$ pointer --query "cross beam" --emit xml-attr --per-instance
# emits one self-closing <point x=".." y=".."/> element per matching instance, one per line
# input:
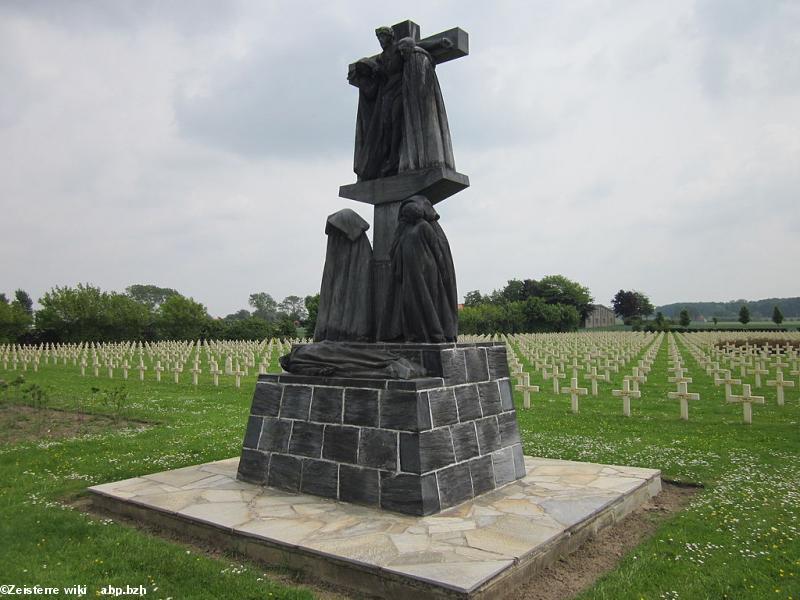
<point x="457" y="36"/>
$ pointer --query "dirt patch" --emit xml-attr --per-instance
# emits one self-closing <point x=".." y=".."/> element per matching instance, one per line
<point x="576" y="572"/>
<point x="563" y="580"/>
<point x="21" y="423"/>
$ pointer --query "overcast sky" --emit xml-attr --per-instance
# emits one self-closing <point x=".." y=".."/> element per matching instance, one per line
<point x="200" y="145"/>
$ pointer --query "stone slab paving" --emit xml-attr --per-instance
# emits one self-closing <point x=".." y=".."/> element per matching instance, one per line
<point x="481" y="548"/>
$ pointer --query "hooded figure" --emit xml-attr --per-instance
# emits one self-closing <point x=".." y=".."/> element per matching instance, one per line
<point x="422" y="302"/>
<point x="345" y="297"/>
<point x="426" y="132"/>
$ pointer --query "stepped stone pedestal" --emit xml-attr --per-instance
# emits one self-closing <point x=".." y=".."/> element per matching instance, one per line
<point x="411" y="446"/>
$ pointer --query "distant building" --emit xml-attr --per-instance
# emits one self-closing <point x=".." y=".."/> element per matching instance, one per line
<point x="601" y="316"/>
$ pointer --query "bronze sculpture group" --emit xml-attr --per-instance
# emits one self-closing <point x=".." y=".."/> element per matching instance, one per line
<point x="408" y="294"/>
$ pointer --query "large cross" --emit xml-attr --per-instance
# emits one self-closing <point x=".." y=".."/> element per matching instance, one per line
<point x="387" y="193"/>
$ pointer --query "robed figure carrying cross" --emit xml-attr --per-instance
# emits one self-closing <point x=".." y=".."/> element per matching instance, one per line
<point x="403" y="146"/>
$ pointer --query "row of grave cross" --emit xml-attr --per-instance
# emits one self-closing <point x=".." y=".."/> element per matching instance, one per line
<point x="157" y="357"/>
<point x="630" y="383"/>
<point x="547" y="355"/>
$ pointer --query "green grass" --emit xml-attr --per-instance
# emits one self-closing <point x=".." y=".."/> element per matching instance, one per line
<point x="739" y="538"/>
<point x="46" y="542"/>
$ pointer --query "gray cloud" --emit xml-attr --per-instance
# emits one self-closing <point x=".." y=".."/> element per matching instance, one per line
<point x="200" y="146"/>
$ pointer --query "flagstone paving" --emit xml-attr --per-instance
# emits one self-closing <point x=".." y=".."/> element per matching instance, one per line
<point x="463" y="552"/>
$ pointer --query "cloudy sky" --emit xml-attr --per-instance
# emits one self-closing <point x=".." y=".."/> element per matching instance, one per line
<point x="199" y="145"/>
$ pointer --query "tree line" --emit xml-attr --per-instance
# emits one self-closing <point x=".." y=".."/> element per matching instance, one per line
<point x="553" y="303"/>
<point x="760" y="310"/>
<point x="634" y="308"/>
<point x="143" y="312"/>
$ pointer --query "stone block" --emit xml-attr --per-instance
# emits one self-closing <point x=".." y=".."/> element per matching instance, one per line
<point x="506" y="396"/>
<point x="407" y="411"/>
<point x="509" y="429"/>
<point x="465" y="441"/>
<point x="477" y="365"/>
<point x="267" y="399"/>
<point x="378" y="449"/>
<point x="326" y="404"/>
<point x="306" y="439"/>
<point x="498" y="362"/>
<point x="503" y="464"/>
<point x="410" y="494"/>
<point x="296" y="402"/>
<point x="340" y="443"/>
<point x="320" y="478"/>
<point x="455" y="485"/>
<point x="253" y="432"/>
<point x="432" y="361"/>
<point x="469" y="404"/>
<point x="490" y="398"/>
<point x="482" y="474"/>
<point x="275" y="435"/>
<point x="361" y="486"/>
<point x="409" y="452"/>
<point x="435" y="449"/>
<point x="519" y="461"/>
<point x="253" y="466"/>
<point x="361" y="407"/>
<point x="284" y="472"/>
<point x="488" y="435"/>
<point x="454" y="368"/>
<point x="443" y="406"/>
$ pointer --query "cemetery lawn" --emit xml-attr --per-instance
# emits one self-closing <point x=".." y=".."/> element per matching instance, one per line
<point x="739" y="537"/>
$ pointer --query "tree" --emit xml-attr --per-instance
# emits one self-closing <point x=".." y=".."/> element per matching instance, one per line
<point x="264" y="306"/>
<point x="630" y="305"/>
<point x="683" y="318"/>
<point x="15" y="322"/>
<point x="557" y="289"/>
<point x="777" y="315"/>
<point x="180" y="318"/>
<point x="514" y="291"/>
<point x="151" y="296"/>
<point x="239" y="315"/>
<point x="86" y="313"/>
<point x="251" y="328"/>
<point x="312" y="306"/>
<point x="293" y="307"/>
<point x="22" y="298"/>
<point x="473" y="298"/>
<point x="744" y="315"/>
<point x="716" y="320"/>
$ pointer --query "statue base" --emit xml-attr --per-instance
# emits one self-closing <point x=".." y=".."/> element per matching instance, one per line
<point x="414" y="446"/>
<point x="435" y="183"/>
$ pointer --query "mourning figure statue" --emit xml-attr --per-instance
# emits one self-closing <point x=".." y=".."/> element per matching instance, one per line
<point x="423" y="302"/>
<point x="345" y="297"/>
<point x="401" y="123"/>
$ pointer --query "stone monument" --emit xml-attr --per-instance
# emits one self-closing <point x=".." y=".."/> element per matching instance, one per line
<point x="386" y="408"/>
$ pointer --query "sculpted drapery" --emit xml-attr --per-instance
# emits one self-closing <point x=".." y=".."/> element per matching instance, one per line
<point x="401" y="123"/>
<point x="423" y="300"/>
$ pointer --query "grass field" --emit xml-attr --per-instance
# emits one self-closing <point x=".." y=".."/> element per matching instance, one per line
<point x="739" y="538"/>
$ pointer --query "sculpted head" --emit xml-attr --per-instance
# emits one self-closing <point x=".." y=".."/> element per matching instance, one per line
<point x="406" y="46"/>
<point x="411" y="210"/>
<point x="385" y="36"/>
<point x="428" y="212"/>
